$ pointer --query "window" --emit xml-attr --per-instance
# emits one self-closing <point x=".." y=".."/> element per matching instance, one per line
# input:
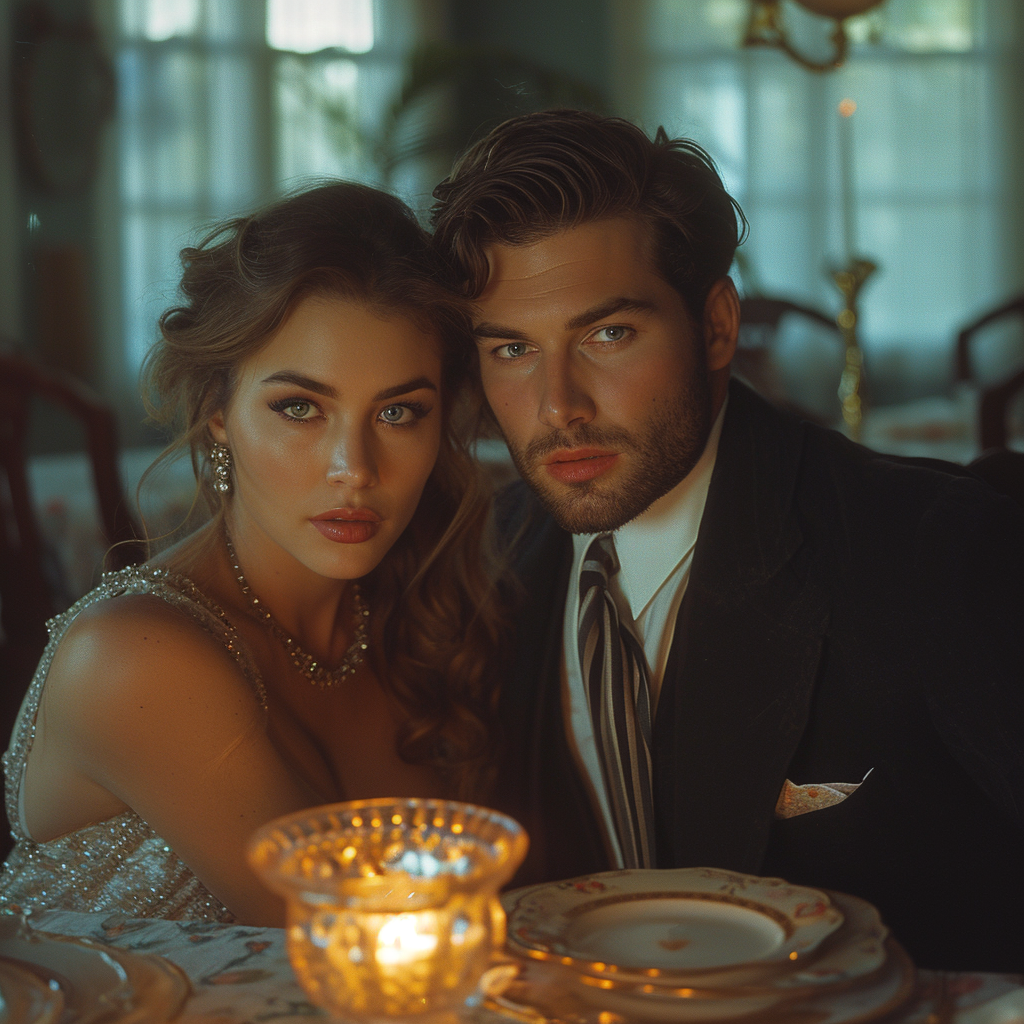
<point x="224" y="104"/>
<point x="929" y="167"/>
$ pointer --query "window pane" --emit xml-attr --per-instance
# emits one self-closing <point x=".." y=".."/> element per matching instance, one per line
<point x="684" y="25"/>
<point x="151" y="243"/>
<point x="160" y="19"/>
<point x="705" y="100"/>
<point x="306" y="26"/>
<point x="320" y="131"/>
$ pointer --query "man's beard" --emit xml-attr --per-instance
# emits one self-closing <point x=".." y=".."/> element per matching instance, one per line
<point x="661" y="453"/>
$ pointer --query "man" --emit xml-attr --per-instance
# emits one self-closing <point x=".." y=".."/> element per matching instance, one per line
<point x="745" y="642"/>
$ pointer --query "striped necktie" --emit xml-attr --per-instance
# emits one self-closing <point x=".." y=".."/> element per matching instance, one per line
<point x="615" y="676"/>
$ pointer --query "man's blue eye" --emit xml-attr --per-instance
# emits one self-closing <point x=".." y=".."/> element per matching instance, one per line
<point x="612" y="333"/>
<point x="513" y="349"/>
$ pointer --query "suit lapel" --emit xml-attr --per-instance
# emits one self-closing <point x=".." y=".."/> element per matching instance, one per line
<point x="740" y="675"/>
<point x="539" y="783"/>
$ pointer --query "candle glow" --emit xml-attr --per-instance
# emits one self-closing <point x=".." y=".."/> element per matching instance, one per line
<point x="847" y="107"/>
<point x="392" y="905"/>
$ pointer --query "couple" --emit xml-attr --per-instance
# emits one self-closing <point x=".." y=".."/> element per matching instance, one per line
<point x="702" y="634"/>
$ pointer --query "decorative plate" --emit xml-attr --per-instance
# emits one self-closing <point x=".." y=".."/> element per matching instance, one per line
<point x="538" y="995"/>
<point x="26" y="998"/>
<point x="710" y="926"/>
<point x="93" y="984"/>
<point x="853" y="952"/>
<point x="97" y="982"/>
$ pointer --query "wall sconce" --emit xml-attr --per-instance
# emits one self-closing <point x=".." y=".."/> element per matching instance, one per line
<point x="766" y="27"/>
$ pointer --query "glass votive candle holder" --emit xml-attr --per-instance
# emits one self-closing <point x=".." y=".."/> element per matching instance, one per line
<point x="392" y="904"/>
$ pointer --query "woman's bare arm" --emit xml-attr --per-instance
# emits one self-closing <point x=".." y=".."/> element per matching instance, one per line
<point x="142" y="708"/>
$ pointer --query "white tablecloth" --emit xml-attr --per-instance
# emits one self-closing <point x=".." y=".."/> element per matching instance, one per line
<point x="241" y="974"/>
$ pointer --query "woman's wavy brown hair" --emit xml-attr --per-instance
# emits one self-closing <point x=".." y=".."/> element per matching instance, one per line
<point x="436" y="623"/>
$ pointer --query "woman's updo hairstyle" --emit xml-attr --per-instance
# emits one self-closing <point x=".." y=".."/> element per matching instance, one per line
<point x="241" y="281"/>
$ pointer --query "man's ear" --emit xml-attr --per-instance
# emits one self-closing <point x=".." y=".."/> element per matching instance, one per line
<point x="215" y="424"/>
<point x="721" y="323"/>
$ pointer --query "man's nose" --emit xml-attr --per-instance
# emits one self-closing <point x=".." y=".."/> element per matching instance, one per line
<point x="565" y="399"/>
<point x="351" y="458"/>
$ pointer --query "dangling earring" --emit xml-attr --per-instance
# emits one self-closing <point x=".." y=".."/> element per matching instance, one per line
<point x="220" y="456"/>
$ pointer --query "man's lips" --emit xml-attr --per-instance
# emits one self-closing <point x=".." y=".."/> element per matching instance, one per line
<point x="347" y="525"/>
<point x="578" y="465"/>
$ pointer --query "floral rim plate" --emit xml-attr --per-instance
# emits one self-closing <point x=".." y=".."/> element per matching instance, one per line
<point x="538" y="994"/>
<point x="854" y="952"/>
<point x="667" y="926"/>
<point x="96" y="981"/>
<point x="25" y="998"/>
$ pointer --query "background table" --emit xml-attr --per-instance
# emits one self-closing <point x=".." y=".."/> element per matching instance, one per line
<point x="241" y="975"/>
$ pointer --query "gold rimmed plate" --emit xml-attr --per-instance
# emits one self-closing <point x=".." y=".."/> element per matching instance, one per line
<point x="26" y="998"/>
<point x="538" y="993"/>
<point x="682" y="927"/>
<point x="97" y="982"/>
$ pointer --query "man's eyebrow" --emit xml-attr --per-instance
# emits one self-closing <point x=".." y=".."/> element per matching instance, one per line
<point x="607" y="309"/>
<point x="300" y="380"/>
<point x="489" y="330"/>
<point x="486" y="329"/>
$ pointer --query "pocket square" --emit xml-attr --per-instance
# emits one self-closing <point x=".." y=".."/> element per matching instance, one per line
<point x="795" y="800"/>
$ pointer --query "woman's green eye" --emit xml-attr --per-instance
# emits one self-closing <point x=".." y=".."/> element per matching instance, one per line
<point x="393" y="413"/>
<point x="299" y="410"/>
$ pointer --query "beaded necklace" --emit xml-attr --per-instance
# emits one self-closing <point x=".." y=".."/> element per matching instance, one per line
<point x="305" y="662"/>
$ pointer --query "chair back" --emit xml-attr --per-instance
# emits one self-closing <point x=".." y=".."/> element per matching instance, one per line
<point x="996" y="397"/>
<point x="761" y="317"/>
<point x="26" y="597"/>
<point x="965" y="370"/>
<point x="994" y="410"/>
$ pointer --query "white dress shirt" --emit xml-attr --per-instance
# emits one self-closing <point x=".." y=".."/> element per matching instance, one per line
<point x="655" y="553"/>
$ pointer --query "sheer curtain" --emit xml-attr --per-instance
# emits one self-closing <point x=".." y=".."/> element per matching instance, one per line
<point x="934" y="171"/>
<point x="224" y="104"/>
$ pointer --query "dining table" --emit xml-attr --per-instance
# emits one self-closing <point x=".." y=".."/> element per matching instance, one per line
<point x="238" y="974"/>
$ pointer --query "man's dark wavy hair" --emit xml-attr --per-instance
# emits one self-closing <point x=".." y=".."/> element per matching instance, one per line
<point x="540" y="173"/>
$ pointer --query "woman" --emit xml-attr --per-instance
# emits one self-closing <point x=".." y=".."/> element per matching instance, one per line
<point x="313" y="369"/>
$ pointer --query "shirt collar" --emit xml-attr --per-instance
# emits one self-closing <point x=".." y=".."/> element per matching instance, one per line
<point x="669" y="525"/>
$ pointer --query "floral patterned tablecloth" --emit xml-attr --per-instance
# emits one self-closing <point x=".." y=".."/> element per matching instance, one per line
<point x="241" y="975"/>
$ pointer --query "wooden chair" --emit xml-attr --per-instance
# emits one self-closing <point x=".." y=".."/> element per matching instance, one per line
<point x="994" y="408"/>
<point x="995" y="398"/>
<point x="761" y="316"/>
<point x="967" y="336"/>
<point x="26" y="596"/>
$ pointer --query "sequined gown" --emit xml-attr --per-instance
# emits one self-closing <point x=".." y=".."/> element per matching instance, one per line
<point x="119" y="864"/>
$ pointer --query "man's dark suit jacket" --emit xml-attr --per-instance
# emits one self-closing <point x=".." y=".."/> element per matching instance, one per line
<point x="846" y="613"/>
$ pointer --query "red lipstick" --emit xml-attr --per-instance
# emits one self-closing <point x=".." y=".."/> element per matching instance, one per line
<point x="578" y="465"/>
<point x="347" y="525"/>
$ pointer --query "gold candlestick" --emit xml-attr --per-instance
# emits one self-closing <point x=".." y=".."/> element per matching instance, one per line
<point x="849" y="280"/>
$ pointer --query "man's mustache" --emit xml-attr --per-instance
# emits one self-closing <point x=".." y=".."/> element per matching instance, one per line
<point x="586" y="436"/>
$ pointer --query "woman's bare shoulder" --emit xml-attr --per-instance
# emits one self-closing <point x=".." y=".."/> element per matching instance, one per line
<point x="139" y="643"/>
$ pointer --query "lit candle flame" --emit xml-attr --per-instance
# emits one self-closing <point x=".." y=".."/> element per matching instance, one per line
<point x="400" y="940"/>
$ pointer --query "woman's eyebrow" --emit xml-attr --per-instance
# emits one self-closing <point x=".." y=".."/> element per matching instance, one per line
<point x="400" y="389"/>
<point x="300" y="380"/>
